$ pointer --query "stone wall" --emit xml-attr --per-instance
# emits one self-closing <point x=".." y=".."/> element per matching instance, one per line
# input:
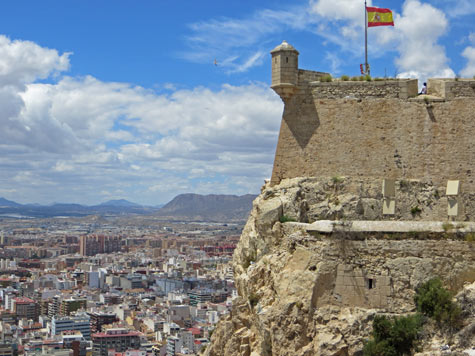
<point x="376" y="137"/>
<point x="450" y="88"/>
<point x="307" y="76"/>
<point x="402" y="89"/>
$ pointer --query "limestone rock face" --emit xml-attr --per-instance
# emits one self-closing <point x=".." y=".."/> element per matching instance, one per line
<point x="307" y="293"/>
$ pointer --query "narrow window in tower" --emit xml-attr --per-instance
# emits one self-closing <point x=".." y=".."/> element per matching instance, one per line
<point x="371" y="283"/>
<point x="286" y="59"/>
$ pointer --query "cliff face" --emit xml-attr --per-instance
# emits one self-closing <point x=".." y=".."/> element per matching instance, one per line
<point x="307" y="291"/>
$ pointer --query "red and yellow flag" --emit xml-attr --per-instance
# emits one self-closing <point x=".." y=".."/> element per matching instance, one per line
<point x="379" y="17"/>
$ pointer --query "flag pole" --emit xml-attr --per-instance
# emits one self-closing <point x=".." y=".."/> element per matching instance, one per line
<point x="366" y="39"/>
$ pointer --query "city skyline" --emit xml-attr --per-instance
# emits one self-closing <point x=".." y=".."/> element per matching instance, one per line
<point x="144" y="102"/>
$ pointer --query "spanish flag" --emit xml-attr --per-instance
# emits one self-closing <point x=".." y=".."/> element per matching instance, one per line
<point x="379" y="17"/>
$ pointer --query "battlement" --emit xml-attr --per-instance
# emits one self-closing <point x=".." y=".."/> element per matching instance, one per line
<point x="449" y="89"/>
<point x="288" y="79"/>
<point x="388" y="88"/>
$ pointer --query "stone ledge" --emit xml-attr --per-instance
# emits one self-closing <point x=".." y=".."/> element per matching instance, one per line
<point x="329" y="226"/>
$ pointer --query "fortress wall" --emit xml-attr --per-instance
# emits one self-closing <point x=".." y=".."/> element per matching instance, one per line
<point x="376" y="137"/>
<point x="450" y="88"/>
<point x="307" y="76"/>
<point x="376" y="89"/>
<point x="460" y="88"/>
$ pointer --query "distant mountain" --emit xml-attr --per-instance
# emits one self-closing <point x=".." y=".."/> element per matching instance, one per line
<point x="119" y="203"/>
<point x="208" y="207"/>
<point x="110" y="208"/>
<point x="5" y="202"/>
<point x="195" y="207"/>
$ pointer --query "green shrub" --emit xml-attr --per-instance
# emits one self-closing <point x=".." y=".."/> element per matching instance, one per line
<point x="355" y="79"/>
<point x="379" y="79"/>
<point x="415" y="210"/>
<point x="393" y="337"/>
<point x="368" y="78"/>
<point x="345" y="78"/>
<point x="285" y="218"/>
<point x="381" y="348"/>
<point x="433" y="300"/>
<point x="337" y="179"/>
<point x="326" y="78"/>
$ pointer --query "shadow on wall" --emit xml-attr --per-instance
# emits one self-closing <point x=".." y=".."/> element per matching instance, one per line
<point x="301" y="118"/>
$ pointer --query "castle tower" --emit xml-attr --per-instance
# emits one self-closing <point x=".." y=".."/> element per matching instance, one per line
<point x="285" y="64"/>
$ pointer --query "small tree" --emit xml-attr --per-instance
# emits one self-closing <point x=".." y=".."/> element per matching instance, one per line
<point x="393" y="337"/>
<point x="433" y="300"/>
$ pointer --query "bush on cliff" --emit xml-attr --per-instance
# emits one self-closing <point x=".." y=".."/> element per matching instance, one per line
<point x="433" y="300"/>
<point x="393" y="337"/>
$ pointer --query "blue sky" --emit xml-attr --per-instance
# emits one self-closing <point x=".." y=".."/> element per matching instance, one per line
<point x="119" y="99"/>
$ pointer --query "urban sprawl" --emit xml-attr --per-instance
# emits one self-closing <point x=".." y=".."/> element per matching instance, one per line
<point x="122" y="287"/>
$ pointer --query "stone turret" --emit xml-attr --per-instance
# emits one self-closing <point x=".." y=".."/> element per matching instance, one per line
<point x="285" y="64"/>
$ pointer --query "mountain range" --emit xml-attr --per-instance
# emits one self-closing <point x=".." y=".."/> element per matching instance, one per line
<point x="183" y="207"/>
<point x="208" y="207"/>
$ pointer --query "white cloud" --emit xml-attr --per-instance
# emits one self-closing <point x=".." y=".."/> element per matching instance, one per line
<point x="80" y="136"/>
<point x="24" y="61"/>
<point x="457" y="8"/>
<point x="340" y="9"/>
<point x="415" y="35"/>
<point x="420" y="27"/>
<point x="469" y="70"/>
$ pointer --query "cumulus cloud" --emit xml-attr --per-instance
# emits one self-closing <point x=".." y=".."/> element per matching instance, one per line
<point x="340" y="9"/>
<point x="22" y="62"/>
<point x="415" y="35"/>
<point x="469" y="70"/>
<point x="80" y="136"/>
<point x="420" y="26"/>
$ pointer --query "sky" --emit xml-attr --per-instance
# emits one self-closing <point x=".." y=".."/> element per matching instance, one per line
<point x="144" y="100"/>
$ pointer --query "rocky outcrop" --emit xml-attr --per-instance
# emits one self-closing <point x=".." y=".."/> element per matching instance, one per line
<point x="302" y="292"/>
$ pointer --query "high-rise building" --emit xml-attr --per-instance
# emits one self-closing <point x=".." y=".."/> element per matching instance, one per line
<point x="71" y="305"/>
<point x="25" y="308"/>
<point x="53" y="306"/>
<point x="174" y="345"/>
<point x="100" y="319"/>
<point x="91" y="245"/>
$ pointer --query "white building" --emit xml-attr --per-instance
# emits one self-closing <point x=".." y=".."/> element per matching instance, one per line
<point x="81" y="322"/>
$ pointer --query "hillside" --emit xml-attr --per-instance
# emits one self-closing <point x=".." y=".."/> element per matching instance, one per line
<point x="211" y="207"/>
<point x="315" y="285"/>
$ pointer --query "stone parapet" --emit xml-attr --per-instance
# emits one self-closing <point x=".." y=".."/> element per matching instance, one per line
<point x="391" y="88"/>
<point x="451" y="88"/>
<point x="307" y="76"/>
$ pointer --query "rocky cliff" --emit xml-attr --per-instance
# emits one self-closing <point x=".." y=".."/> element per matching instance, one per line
<point x="314" y="285"/>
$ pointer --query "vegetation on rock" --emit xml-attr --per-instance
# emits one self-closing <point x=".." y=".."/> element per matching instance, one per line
<point x="434" y="301"/>
<point x="393" y="336"/>
<point x="285" y="218"/>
